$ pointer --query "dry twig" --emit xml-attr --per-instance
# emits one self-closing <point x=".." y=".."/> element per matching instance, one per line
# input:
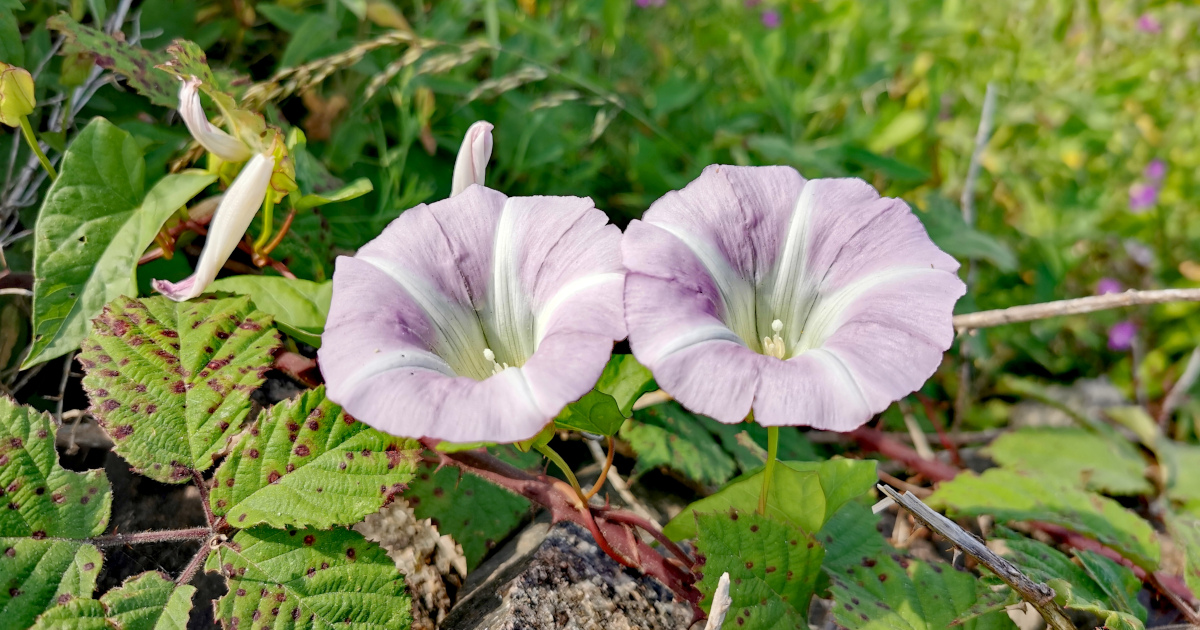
<point x="1091" y="304"/>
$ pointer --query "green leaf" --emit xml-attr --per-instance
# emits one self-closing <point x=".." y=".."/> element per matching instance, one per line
<point x="1011" y="496"/>
<point x="850" y="538"/>
<point x="186" y="59"/>
<point x="308" y="579"/>
<point x="625" y="380"/>
<point x="1096" y="584"/>
<point x="1184" y="483"/>
<point x="93" y="226"/>
<point x="747" y="443"/>
<point x="1076" y="455"/>
<point x="149" y="601"/>
<point x="596" y="412"/>
<point x="802" y="494"/>
<point x="76" y="614"/>
<point x="305" y="463"/>
<point x="38" y="573"/>
<point x="300" y="307"/>
<point x="353" y="190"/>
<point x="44" y="499"/>
<point x="135" y="64"/>
<point x="667" y="435"/>
<point x="11" y="49"/>
<point x="904" y="127"/>
<point x="772" y="568"/>
<point x="477" y="514"/>
<point x="170" y="382"/>
<point x="947" y="229"/>
<point x="1185" y="531"/>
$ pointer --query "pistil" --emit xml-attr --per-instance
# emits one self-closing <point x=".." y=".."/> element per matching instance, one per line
<point x="775" y="346"/>
<point x="490" y="357"/>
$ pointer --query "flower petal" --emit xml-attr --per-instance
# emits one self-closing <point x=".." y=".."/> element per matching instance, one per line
<point x="234" y="214"/>
<point x="213" y="139"/>
<point x="470" y="167"/>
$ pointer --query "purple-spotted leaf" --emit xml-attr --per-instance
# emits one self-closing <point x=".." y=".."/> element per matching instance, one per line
<point x="75" y="614"/>
<point x="38" y="573"/>
<point x="170" y="382"/>
<point x="149" y="601"/>
<point x="303" y="578"/>
<point x="306" y="463"/>
<point x="772" y="566"/>
<point x="135" y="64"/>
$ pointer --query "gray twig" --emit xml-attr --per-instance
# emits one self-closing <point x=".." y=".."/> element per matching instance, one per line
<point x="1077" y="306"/>
<point x="1179" y="391"/>
<point x="1037" y="594"/>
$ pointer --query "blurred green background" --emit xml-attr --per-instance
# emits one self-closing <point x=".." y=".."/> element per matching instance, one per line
<point x="623" y="100"/>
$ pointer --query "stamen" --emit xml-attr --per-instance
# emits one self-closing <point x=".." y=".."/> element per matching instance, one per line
<point x="775" y="346"/>
<point x="490" y="357"/>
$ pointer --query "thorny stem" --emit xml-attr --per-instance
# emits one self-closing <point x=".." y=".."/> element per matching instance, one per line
<point x="31" y="140"/>
<point x="166" y="535"/>
<point x="197" y="561"/>
<point x="608" y="462"/>
<point x="769" y="469"/>
<point x="202" y="486"/>
<point x="551" y="455"/>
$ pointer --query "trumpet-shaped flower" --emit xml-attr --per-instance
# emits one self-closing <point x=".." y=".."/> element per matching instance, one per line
<point x="233" y="215"/>
<point x="475" y="318"/>
<point x="212" y="138"/>
<point x="471" y="164"/>
<point x="811" y="302"/>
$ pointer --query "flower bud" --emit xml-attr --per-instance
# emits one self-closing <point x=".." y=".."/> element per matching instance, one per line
<point x="16" y="94"/>
<point x="473" y="157"/>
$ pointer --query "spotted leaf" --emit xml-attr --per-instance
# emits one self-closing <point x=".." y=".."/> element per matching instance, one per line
<point x="149" y="601"/>
<point x="75" y="614"/>
<point x="303" y="578"/>
<point x="308" y="464"/>
<point x="170" y="381"/>
<point x="36" y="574"/>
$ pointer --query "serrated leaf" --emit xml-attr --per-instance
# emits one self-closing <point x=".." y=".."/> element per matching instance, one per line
<point x="134" y="63"/>
<point x="300" y="307"/>
<point x="850" y="537"/>
<point x="1011" y="496"/>
<point x="667" y="435"/>
<point x="36" y="574"/>
<point x="477" y="514"/>
<point x="1096" y="584"/>
<point x="45" y="500"/>
<point x="596" y="412"/>
<point x="76" y="614"/>
<point x="1076" y="455"/>
<point x="305" y="463"/>
<point x="772" y="568"/>
<point x="308" y="579"/>
<point x="353" y="190"/>
<point x="93" y="226"/>
<point x="803" y="494"/>
<point x="170" y="382"/>
<point x="625" y="380"/>
<point x="149" y="601"/>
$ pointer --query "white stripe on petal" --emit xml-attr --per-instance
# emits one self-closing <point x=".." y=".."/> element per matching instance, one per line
<point x="401" y="359"/>
<point x="234" y="214"/>
<point x="564" y="294"/>
<point x="790" y="293"/>
<point x="508" y="316"/>
<point x="826" y="315"/>
<point x="470" y="166"/>
<point x="460" y="338"/>
<point x="213" y="139"/>
<point x="695" y="335"/>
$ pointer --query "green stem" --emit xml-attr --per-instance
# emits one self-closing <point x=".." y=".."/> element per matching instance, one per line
<point x="268" y="222"/>
<point x="31" y="140"/>
<point x="545" y="449"/>
<point x="769" y="470"/>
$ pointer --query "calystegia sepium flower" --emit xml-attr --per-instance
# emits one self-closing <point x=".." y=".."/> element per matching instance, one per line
<point x="810" y="302"/>
<point x="475" y="318"/>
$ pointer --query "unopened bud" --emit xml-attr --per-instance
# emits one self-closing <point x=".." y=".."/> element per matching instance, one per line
<point x="473" y="156"/>
<point x="16" y="94"/>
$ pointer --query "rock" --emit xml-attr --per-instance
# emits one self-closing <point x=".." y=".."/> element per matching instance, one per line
<point x="555" y="576"/>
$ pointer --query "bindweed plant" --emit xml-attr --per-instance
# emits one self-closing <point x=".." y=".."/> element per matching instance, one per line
<point x="443" y="358"/>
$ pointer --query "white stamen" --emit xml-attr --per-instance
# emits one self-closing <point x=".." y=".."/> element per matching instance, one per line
<point x="777" y="326"/>
<point x="490" y="357"/>
<point x="775" y="346"/>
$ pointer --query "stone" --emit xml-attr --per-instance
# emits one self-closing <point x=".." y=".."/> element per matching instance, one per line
<point x="556" y="576"/>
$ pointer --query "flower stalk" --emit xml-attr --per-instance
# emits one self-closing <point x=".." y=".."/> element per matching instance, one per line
<point x="31" y="140"/>
<point x="769" y="469"/>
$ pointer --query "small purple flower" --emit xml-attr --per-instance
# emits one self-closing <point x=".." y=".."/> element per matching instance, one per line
<point x="1147" y="24"/>
<point x="814" y="303"/>
<point x="1139" y="253"/>
<point x="1142" y="197"/>
<point x="770" y="18"/>
<point x="1156" y="170"/>
<point x="1120" y="336"/>
<point x="475" y="318"/>
<point x="1108" y="285"/>
<point x="645" y="4"/>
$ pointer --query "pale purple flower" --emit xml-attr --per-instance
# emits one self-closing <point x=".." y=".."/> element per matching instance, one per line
<point x="813" y="303"/>
<point x="770" y="18"/>
<point x="1108" y="285"/>
<point x="475" y="318"/>
<point x="1156" y="170"/>
<point x="1139" y="253"/>
<point x="1120" y="336"/>
<point x="234" y="214"/>
<point x="1142" y="197"/>
<point x="1148" y="24"/>
<point x="471" y="164"/>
